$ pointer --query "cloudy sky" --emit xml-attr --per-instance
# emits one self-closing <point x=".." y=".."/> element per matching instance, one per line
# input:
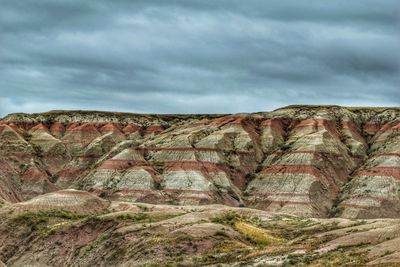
<point x="197" y="56"/>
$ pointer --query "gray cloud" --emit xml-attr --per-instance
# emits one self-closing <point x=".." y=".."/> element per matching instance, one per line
<point x="196" y="56"/>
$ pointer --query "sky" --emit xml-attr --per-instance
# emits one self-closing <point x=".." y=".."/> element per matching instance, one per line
<point x="197" y="56"/>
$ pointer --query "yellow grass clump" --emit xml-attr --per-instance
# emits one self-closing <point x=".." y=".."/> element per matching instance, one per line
<point x="257" y="235"/>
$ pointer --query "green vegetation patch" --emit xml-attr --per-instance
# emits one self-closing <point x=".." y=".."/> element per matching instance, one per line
<point x="135" y="217"/>
<point x="28" y="217"/>
<point x="228" y="218"/>
<point x="140" y="217"/>
<point x="247" y="227"/>
<point x="335" y="258"/>
<point x="43" y="221"/>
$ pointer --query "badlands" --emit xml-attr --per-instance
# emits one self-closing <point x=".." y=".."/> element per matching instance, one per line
<point x="298" y="186"/>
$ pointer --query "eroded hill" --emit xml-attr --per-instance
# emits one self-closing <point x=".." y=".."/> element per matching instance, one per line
<point x="312" y="161"/>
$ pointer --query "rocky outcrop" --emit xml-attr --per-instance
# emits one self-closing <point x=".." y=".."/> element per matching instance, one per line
<point x="315" y="161"/>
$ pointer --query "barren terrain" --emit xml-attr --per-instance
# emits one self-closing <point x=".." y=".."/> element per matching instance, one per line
<point x="298" y="186"/>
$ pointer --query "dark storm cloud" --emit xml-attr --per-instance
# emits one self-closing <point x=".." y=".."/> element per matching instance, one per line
<point x="197" y="56"/>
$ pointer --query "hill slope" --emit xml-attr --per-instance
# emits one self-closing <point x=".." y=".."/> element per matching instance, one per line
<point x="40" y="232"/>
<point x="313" y="161"/>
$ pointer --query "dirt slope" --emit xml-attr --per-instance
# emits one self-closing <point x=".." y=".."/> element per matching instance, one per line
<point x="133" y="234"/>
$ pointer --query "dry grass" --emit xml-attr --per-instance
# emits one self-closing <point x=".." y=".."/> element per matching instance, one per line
<point x="257" y="235"/>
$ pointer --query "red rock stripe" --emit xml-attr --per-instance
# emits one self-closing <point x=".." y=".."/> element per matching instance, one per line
<point x="301" y="169"/>
<point x="204" y="166"/>
<point x="348" y="125"/>
<point x="354" y="129"/>
<point x="277" y="125"/>
<point x="60" y="127"/>
<point x="358" y="196"/>
<point x="41" y="127"/>
<point x="116" y="164"/>
<point x="84" y="128"/>
<point x="282" y="202"/>
<point x="186" y="190"/>
<point x="194" y="198"/>
<point x="92" y="156"/>
<point x="396" y="127"/>
<point x="205" y="149"/>
<point x="72" y="169"/>
<point x="127" y="190"/>
<point x="222" y="120"/>
<point x="381" y="171"/>
<point x="271" y="122"/>
<point x="389" y="126"/>
<point x="327" y="124"/>
<point x="131" y="128"/>
<point x="280" y="153"/>
<point x="371" y="128"/>
<point x="279" y="193"/>
<point x="386" y="154"/>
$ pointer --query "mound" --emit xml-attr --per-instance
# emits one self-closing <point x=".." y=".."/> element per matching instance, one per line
<point x="76" y="201"/>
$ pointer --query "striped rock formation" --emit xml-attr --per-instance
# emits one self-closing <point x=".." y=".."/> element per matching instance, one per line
<point x="41" y="153"/>
<point x="374" y="189"/>
<point x="315" y="161"/>
<point x="312" y="162"/>
<point x="202" y="163"/>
